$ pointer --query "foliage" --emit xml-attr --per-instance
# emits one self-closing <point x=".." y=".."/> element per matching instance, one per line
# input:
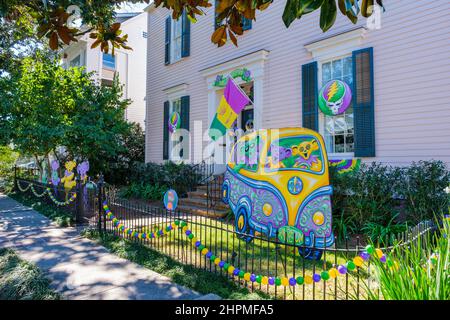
<point x="46" y="107"/>
<point x="379" y="199"/>
<point x="180" y="177"/>
<point x="143" y="191"/>
<point x="131" y="155"/>
<point x="58" y="215"/>
<point x="53" y="18"/>
<point x="8" y="159"/>
<point x="20" y="280"/>
<point x="423" y="188"/>
<point x="423" y="271"/>
<point x="200" y="280"/>
<point x="383" y="233"/>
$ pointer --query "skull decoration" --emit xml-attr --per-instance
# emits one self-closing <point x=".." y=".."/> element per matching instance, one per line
<point x="335" y="98"/>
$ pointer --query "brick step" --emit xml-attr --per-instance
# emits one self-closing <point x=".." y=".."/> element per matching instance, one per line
<point x="201" y="203"/>
<point x="202" y="211"/>
<point x="204" y="188"/>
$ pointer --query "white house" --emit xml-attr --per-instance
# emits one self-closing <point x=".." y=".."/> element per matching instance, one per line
<point x="129" y="65"/>
<point x="398" y="69"/>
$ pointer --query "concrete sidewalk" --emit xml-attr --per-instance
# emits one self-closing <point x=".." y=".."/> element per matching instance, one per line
<point x="79" y="268"/>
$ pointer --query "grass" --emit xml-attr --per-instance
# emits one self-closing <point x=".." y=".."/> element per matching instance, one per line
<point x="20" y="280"/>
<point x="258" y="257"/>
<point x="420" y="271"/>
<point x="59" y="216"/>
<point x="198" y="279"/>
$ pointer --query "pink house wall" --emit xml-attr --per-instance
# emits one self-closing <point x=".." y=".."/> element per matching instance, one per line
<point x="411" y="74"/>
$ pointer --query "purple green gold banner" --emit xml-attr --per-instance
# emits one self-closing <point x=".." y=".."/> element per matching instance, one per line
<point x="231" y="104"/>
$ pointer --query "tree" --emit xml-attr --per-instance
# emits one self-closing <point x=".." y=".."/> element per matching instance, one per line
<point x="44" y="107"/>
<point x="54" y="19"/>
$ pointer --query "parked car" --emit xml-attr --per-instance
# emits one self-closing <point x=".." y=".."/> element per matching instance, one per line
<point x="277" y="183"/>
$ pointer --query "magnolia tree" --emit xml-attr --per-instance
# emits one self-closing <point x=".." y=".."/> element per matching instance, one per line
<point x="54" y="19"/>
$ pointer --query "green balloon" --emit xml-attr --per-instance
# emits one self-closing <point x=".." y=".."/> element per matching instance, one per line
<point x="278" y="281"/>
<point x="177" y="222"/>
<point x="201" y="247"/>
<point x="351" y="265"/>
<point x="241" y="274"/>
<point x="191" y="236"/>
<point x="258" y="279"/>
<point x="226" y="266"/>
<point x="300" y="280"/>
<point x="325" y="275"/>
<point x="370" y="249"/>
<point x="213" y="257"/>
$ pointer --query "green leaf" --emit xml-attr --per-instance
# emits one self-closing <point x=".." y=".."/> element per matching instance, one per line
<point x="328" y="13"/>
<point x="294" y="9"/>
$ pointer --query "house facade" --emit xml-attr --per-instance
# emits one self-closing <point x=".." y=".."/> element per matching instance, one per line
<point x="397" y="65"/>
<point x="129" y="65"/>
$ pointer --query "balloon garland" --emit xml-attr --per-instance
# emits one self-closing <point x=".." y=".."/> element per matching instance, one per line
<point x="351" y="265"/>
<point x="47" y="191"/>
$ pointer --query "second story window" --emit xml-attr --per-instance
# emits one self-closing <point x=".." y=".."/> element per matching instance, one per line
<point x="75" y="62"/>
<point x="175" y="50"/>
<point x="109" y="61"/>
<point x="246" y="23"/>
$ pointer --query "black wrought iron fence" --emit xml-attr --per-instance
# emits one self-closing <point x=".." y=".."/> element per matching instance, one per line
<point x="277" y="269"/>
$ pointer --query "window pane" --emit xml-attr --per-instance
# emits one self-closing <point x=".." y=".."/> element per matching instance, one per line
<point x="348" y="67"/>
<point x="109" y="61"/>
<point x="339" y="143"/>
<point x="326" y="72"/>
<point x="349" y="143"/>
<point x="337" y="70"/>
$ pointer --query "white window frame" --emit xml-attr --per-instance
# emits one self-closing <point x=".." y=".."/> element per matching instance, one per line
<point x="332" y="155"/>
<point x="175" y="55"/>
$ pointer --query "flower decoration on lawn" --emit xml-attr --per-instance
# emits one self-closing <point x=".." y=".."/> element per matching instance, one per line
<point x="340" y="270"/>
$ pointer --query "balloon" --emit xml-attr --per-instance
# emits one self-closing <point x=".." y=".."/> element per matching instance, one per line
<point x="252" y="278"/>
<point x="370" y="249"/>
<point x="342" y="269"/>
<point x="300" y="280"/>
<point x="316" y="277"/>
<point x="383" y="259"/>
<point x="333" y="273"/>
<point x="264" y="280"/>
<point x="358" y="261"/>
<point x="325" y="275"/>
<point x="365" y="256"/>
<point x="247" y="276"/>
<point x="271" y="281"/>
<point x="308" y="280"/>
<point x="351" y="265"/>
<point x="284" y="281"/>
<point x="379" y="253"/>
<point x="292" y="281"/>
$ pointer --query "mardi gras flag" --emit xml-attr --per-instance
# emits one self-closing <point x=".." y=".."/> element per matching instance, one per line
<point x="232" y="102"/>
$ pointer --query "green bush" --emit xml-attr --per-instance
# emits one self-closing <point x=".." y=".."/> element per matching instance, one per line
<point x="423" y="189"/>
<point x="180" y="177"/>
<point x="378" y="200"/>
<point x="8" y="159"/>
<point x="143" y="191"/>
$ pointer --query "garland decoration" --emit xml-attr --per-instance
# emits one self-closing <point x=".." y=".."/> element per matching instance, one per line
<point x="351" y="265"/>
<point x="47" y="191"/>
<point x="346" y="165"/>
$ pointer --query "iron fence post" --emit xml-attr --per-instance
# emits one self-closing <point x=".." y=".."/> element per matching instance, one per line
<point x="15" y="178"/>
<point x="100" y="203"/>
<point x="79" y="210"/>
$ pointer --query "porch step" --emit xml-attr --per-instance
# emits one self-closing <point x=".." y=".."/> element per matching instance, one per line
<point x="201" y="194"/>
<point x="202" y="211"/>
<point x="201" y="203"/>
<point x="204" y="188"/>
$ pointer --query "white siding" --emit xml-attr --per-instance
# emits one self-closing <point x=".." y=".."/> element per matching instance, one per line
<point x="411" y="65"/>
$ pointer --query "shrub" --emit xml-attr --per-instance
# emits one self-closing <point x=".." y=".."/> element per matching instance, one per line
<point x="423" y="189"/>
<point x="7" y="160"/>
<point x="143" y="191"/>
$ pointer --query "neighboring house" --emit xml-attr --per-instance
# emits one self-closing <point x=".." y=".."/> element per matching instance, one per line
<point x="129" y="65"/>
<point x="399" y="75"/>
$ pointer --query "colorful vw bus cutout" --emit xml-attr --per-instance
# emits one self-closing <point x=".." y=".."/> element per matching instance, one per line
<point x="277" y="182"/>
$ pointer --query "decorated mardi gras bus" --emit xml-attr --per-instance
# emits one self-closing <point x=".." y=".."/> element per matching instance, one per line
<point x="277" y="183"/>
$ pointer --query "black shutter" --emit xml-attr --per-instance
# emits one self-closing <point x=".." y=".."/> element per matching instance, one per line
<point x="309" y="96"/>
<point x="363" y="103"/>
<point x="185" y="35"/>
<point x="185" y="108"/>
<point x="167" y="40"/>
<point x="166" y="131"/>
<point x="246" y="24"/>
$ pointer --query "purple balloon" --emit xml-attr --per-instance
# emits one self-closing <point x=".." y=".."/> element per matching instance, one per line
<point x="236" y="272"/>
<point x="252" y="278"/>
<point x="365" y="256"/>
<point x="316" y="277"/>
<point x="271" y="281"/>
<point x="292" y="281"/>
<point x="383" y="259"/>
<point x="342" y="269"/>
<point x="221" y="264"/>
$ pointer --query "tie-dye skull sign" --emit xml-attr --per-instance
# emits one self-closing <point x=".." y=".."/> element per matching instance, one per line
<point x="335" y="97"/>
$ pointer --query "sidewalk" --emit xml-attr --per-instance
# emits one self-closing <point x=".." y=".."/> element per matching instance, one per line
<point x="78" y="267"/>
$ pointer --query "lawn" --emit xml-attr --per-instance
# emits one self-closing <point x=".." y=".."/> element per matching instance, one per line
<point x="259" y="257"/>
<point x="20" y="280"/>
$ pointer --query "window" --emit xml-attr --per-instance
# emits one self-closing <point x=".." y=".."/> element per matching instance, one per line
<point x="338" y="131"/>
<point x="109" y="61"/>
<point x="175" y="150"/>
<point x="75" y="62"/>
<point x="246" y="23"/>
<point x="295" y="153"/>
<point x="175" y="49"/>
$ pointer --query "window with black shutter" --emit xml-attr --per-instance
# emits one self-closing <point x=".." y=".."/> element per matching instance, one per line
<point x="309" y="96"/>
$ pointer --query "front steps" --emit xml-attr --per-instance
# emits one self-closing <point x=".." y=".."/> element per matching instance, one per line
<point x="196" y="202"/>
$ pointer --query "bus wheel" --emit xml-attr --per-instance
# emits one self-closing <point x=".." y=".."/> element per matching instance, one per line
<point x="310" y="253"/>
<point x="242" y="227"/>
